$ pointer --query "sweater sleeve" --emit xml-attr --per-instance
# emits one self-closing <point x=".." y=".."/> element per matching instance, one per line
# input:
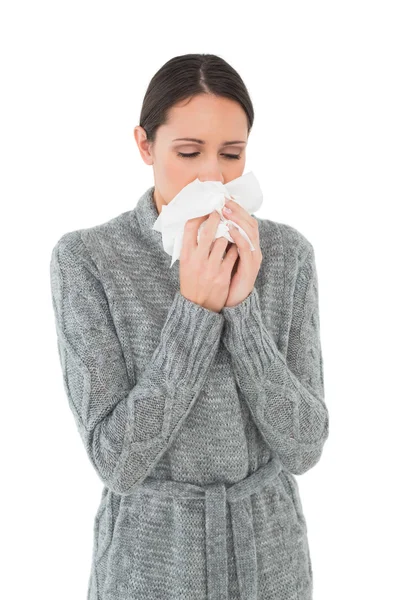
<point x="125" y="429"/>
<point x="285" y="396"/>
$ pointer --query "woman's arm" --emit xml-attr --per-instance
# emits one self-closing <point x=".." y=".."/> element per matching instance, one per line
<point x="286" y="397"/>
<point x="125" y="429"/>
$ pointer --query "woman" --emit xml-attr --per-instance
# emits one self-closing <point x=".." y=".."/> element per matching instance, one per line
<point x="197" y="389"/>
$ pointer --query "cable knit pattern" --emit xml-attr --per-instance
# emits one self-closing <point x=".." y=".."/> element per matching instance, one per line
<point x="125" y="429"/>
<point x="287" y="402"/>
<point x="196" y="422"/>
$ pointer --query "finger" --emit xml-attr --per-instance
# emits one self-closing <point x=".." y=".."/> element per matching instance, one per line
<point x="236" y="209"/>
<point x="240" y="241"/>
<point x="251" y="229"/>
<point x="247" y="255"/>
<point x="208" y="232"/>
<point x="243" y="244"/>
<point x="218" y="248"/>
<point x="190" y="231"/>
<point x="240" y="216"/>
<point x="229" y="261"/>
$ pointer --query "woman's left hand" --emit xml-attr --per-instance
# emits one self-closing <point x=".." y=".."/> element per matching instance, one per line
<point x="249" y="262"/>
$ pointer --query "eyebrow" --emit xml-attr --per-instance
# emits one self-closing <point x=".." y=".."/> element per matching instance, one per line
<point x="188" y="139"/>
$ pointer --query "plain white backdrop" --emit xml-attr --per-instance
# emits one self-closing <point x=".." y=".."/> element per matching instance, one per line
<point x="324" y="81"/>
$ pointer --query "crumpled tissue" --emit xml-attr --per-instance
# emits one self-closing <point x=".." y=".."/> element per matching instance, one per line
<point x="200" y="198"/>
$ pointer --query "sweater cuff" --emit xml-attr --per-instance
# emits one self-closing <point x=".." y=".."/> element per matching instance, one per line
<point x="247" y="339"/>
<point x="189" y="341"/>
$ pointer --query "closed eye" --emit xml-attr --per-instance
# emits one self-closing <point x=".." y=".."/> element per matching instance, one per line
<point x="193" y="154"/>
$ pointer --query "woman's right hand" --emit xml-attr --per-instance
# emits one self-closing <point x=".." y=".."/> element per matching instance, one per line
<point x="205" y="274"/>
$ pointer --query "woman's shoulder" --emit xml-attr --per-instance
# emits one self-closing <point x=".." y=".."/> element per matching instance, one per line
<point x="276" y="235"/>
<point x="79" y="242"/>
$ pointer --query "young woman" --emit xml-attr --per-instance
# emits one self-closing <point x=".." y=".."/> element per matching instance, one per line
<point x="197" y="389"/>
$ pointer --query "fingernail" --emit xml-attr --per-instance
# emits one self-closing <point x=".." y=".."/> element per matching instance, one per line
<point x="227" y="210"/>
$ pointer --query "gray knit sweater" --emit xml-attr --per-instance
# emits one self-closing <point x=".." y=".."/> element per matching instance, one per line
<point x="195" y="421"/>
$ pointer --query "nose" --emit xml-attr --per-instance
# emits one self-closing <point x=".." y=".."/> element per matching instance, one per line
<point x="211" y="176"/>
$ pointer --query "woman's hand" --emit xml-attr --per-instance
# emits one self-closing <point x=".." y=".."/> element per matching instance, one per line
<point x="249" y="262"/>
<point x="205" y="273"/>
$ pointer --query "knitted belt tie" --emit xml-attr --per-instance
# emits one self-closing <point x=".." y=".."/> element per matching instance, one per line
<point x="216" y="496"/>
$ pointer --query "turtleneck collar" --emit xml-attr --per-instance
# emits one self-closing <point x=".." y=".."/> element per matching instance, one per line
<point x="146" y="214"/>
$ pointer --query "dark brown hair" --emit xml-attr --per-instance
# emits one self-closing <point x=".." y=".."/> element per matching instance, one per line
<point x="186" y="76"/>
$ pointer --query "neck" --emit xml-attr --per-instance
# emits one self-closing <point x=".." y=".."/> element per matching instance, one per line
<point x="158" y="200"/>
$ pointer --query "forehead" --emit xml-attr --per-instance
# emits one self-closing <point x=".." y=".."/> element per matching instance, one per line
<point x="207" y="117"/>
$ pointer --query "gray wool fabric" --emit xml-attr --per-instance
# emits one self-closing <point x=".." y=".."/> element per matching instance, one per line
<point x="195" y="421"/>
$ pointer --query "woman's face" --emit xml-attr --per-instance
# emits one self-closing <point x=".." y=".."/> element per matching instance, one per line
<point x="212" y="121"/>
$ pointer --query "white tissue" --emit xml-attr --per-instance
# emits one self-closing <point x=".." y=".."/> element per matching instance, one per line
<point x="200" y="198"/>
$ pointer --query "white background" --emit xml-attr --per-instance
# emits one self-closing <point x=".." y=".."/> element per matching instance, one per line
<point x="324" y="80"/>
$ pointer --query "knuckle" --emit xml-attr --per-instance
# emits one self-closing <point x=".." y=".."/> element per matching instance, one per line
<point x="188" y="226"/>
<point x="222" y="241"/>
